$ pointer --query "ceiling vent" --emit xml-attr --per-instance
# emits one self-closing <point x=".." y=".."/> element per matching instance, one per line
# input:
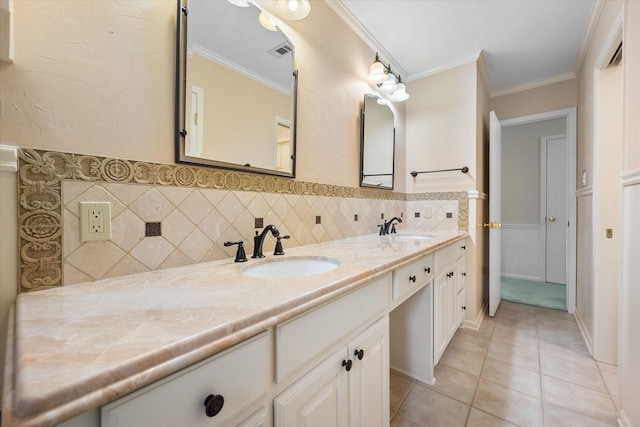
<point x="616" y="58"/>
<point x="280" y="50"/>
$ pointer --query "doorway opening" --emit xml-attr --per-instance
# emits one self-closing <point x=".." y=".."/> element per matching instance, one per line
<point x="538" y="210"/>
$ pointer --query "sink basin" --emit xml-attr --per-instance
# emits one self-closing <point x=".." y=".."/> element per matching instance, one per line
<point x="291" y="267"/>
<point x="412" y="237"/>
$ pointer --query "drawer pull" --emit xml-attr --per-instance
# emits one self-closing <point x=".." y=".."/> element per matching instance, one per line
<point x="359" y="354"/>
<point x="213" y="404"/>
<point x="463" y="247"/>
<point x="427" y="270"/>
<point x="464" y="307"/>
<point x="412" y="279"/>
<point x="464" y="274"/>
<point x="347" y="364"/>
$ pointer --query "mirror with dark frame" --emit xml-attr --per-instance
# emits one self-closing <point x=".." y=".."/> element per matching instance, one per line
<point x="377" y="144"/>
<point x="236" y="89"/>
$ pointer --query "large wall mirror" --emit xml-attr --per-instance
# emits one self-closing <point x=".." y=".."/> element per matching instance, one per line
<point x="236" y="89"/>
<point x="378" y="143"/>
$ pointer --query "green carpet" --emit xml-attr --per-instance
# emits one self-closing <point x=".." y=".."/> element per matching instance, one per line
<point x="541" y="294"/>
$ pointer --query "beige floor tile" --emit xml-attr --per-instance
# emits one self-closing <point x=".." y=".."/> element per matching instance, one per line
<point x="400" y="421"/>
<point x="400" y="385"/>
<point x="478" y="418"/>
<point x="516" y="315"/>
<point x="508" y="404"/>
<point x="606" y="367"/>
<point x="470" y="343"/>
<point x="570" y="371"/>
<point x="428" y="408"/>
<point x="454" y="383"/>
<point x="485" y="330"/>
<point x="515" y="338"/>
<point x="520" y="379"/>
<point x="559" y="336"/>
<point x="462" y="360"/>
<point x="554" y="323"/>
<point x="557" y="416"/>
<point x="575" y="352"/>
<point x="549" y="312"/>
<point x="527" y="327"/>
<point x="513" y="355"/>
<point x="516" y="306"/>
<point x="611" y="381"/>
<point x="582" y="400"/>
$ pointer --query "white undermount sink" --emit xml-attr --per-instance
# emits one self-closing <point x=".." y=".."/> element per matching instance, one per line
<point x="291" y="267"/>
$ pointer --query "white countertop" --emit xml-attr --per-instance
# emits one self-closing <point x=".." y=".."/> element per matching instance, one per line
<point x="75" y="348"/>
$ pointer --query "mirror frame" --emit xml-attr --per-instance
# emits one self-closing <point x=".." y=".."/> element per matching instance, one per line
<point x="180" y="109"/>
<point x="362" y="148"/>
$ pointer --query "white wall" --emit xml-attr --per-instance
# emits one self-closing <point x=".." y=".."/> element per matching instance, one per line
<point x="629" y="368"/>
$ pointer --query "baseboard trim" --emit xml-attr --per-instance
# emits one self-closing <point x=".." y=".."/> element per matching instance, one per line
<point x="584" y="331"/>
<point x="586" y="191"/>
<point x="474" y="325"/>
<point x="521" y="277"/>
<point x="630" y="178"/>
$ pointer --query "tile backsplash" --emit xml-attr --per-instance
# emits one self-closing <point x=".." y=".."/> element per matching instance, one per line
<point x="198" y="210"/>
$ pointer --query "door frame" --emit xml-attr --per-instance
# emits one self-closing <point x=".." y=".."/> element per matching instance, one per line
<point x="570" y="115"/>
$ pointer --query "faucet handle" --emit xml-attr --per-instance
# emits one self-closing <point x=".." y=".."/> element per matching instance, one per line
<point x="382" y="226"/>
<point x="241" y="256"/>
<point x="393" y="228"/>
<point x="278" y="250"/>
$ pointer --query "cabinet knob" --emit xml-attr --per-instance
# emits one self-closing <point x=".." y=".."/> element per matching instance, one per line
<point x="412" y="279"/>
<point x="347" y="364"/>
<point x="359" y="354"/>
<point x="463" y="247"/>
<point x="464" y="274"/>
<point x="464" y="307"/>
<point x="427" y="270"/>
<point x="213" y="404"/>
<point x="450" y="274"/>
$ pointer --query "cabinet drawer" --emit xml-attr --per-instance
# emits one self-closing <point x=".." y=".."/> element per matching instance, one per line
<point x="446" y="256"/>
<point x="241" y="375"/>
<point x="306" y="337"/>
<point x="412" y="277"/>
<point x="462" y="247"/>
<point x="461" y="270"/>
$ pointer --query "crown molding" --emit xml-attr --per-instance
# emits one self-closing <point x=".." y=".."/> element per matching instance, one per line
<point x="449" y="66"/>
<point x="341" y="10"/>
<point x="532" y="85"/>
<point x="596" y="10"/>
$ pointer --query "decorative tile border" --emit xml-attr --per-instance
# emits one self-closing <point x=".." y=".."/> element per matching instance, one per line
<point x="40" y="198"/>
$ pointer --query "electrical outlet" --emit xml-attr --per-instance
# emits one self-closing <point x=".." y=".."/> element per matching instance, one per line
<point x="95" y="221"/>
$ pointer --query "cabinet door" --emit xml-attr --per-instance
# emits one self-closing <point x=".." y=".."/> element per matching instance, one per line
<point x="462" y="306"/>
<point x="317" y="399"/>
<point x="461" y="265"/>
<point x="440" y="314"/>
<point x="369" y="377"/>
<point x="452" y="287"/>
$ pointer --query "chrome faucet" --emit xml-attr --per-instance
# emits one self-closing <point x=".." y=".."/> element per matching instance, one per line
<point x="258" y="240"/>
<point x="389" y="226"/>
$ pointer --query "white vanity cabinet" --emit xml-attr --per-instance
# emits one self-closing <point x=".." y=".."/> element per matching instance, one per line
<point x="350" y="387"/>
<point x="233" y="382"/>
<point x="449" y="294"/>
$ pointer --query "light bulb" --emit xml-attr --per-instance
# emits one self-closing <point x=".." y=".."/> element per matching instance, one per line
<point x="267" y="22"/>
<point x="389" y="85"/>
<point x="293" y="9"/>
<point x="376" y="73"/>
<point x="400" y="94"/>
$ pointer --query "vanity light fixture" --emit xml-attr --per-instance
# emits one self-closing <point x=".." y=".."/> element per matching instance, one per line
<point x="387" y="81"/>
<point x="293" y="9"/>
<point x="239" y="3"/>
<point x="267" y="22"/>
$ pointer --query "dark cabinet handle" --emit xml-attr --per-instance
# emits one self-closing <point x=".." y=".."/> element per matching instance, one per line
<point x="464" y="274"/>
<point x="464" y="307"/>
<point x="347" y="364"/>
<point x="412" y="279"/>
<point x="463" y="247"/>
<point x="427" y="270"/>
<point x="359" y="354"/>
<point x="449" y="274"/>
<point x="213" y="404"/>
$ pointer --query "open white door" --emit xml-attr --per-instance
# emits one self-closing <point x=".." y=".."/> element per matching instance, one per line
<point x="495" y="212"/>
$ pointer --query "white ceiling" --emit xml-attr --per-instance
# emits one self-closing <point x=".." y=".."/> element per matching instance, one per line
<point x="525" y="42"/>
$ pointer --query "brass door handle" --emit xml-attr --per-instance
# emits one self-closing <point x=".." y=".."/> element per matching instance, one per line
<point x="552" y="219"/>
<point x="492" y="225"/>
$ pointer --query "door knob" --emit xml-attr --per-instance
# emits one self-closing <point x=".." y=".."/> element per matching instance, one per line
<point x="552" y="219"/>
<point x="492" y="225"/>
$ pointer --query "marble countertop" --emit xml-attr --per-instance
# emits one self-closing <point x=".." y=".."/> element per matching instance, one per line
<point x="75" y="348"/>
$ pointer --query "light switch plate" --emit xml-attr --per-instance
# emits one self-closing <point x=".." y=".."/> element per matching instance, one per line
<point x="95" y="221"/>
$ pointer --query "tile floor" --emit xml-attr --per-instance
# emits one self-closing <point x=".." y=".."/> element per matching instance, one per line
<point x="528" y="366"/>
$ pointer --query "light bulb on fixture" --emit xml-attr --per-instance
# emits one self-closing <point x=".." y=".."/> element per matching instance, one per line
<point x="377" y="72"/>
<point x="389" y="85"/>
<point x="267" y="22"/>
<point x="400" y="94"/>
<point x="239" y="3"/>
<point x="293" y="9"/>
